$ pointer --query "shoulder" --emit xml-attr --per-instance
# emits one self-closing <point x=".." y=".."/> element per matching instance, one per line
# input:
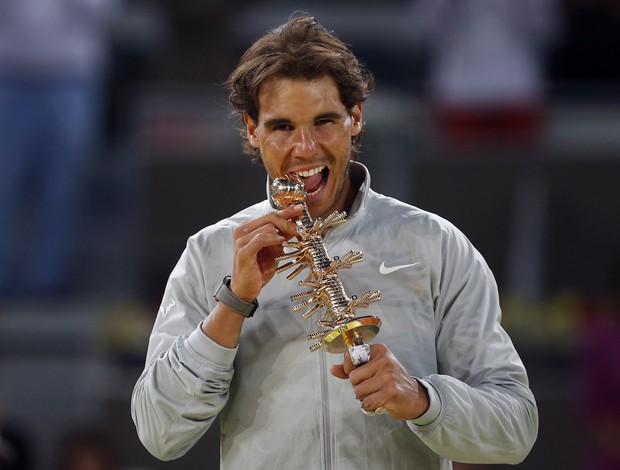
<point x="409" y="227"/>
<point x="218" y="234"/>
<point x="393" y="212"/>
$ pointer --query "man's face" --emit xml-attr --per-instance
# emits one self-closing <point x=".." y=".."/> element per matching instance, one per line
<point x="304" y="128"/>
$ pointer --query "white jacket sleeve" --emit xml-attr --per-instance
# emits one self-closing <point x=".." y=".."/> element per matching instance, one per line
<point x="186" y="379"/>
<point x="487" y="411"/>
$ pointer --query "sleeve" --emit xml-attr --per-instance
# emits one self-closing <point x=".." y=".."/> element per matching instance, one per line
<point x="187" y="376"/>
<point x="487" y="412"/>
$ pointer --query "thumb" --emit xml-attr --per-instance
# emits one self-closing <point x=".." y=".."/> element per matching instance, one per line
<point x="338" y="371"/>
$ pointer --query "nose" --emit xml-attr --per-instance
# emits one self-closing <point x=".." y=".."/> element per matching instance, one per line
<point x="304" y="145"/>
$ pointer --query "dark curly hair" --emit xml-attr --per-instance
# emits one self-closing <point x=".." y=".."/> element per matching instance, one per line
<point x="300" y="48"/>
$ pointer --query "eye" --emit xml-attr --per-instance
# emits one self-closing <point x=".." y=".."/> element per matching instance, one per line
<point x="282" y="127"/>
<point x="324" y="121"/>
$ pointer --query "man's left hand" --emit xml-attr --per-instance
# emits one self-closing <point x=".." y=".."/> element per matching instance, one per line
<point x="384" y="382"/>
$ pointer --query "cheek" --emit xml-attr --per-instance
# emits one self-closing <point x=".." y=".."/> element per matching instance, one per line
<point x="337" y="136"/>
<point x="273" y="153"/>
<point x="273" y="148"/>
<point x="273" y="141"/>
<point x="340" y="147"/>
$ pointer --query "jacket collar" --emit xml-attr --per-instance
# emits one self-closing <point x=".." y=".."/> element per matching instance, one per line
<point x="360" y="177"/>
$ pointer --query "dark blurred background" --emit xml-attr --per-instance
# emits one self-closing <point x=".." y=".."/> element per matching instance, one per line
<point x="502" y="116"/>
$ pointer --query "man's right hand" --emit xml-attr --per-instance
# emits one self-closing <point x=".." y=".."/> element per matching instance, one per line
<point x="257" y="243"/>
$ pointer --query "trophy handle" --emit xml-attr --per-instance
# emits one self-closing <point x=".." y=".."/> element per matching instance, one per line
<point x="360" y="354"/>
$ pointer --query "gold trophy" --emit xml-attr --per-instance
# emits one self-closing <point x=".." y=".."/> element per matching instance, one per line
<point x="340" y="330"/>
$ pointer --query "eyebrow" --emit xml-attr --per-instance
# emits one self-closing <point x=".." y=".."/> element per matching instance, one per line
<point x="276" y="122"/>
<point x="330" y="115"/>
<point x="279" y="121"/>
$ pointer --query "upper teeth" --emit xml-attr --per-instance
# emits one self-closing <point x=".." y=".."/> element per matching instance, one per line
<point x="312" y="172"/>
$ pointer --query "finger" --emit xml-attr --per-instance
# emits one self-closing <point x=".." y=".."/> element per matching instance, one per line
<point x="248" y="247"/>
<point x="291" y="211"/>
<point x="285" y="223"/>
<point x="266" y="232"/>
<point x="254" y="261"/>
<point x="371" y="397"/>
<point x="338" y="371"/>
<point x="371" y="408"/>
<point x="347" y="365"/>
<point x="365" y="387"/>
<point x="364" y="372"/>
<point x="270" y="234"/>
<point x="267" y="260"/>
<point x="281" y="220"/>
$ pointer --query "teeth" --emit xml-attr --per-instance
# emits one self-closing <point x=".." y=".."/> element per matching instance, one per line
<point x="312" y="172"/>
<point x="315" y="191"/>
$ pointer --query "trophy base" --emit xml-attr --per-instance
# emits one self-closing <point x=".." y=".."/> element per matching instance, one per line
<point x="358" y="331"/>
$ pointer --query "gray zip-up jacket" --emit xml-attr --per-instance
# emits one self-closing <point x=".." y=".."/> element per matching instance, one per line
<point x="281" y="408"/>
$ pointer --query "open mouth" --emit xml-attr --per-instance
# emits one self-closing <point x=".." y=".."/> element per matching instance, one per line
<point x="314" y="179"/>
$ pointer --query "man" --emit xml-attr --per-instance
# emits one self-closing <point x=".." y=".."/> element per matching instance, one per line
<point x="442" y="366"/>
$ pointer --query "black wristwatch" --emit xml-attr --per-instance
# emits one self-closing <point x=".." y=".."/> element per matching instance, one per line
<point x="224" y="294"/>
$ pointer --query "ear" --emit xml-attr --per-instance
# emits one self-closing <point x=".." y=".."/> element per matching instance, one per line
<point x="356" y="119"/>
<point x="251" y="129"/>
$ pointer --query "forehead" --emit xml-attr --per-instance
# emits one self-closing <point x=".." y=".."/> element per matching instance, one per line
<point x="295" y="96"/>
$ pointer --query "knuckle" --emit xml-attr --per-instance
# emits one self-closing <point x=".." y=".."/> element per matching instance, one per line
<point x="384" y="362"/>
<point x="240" y="231"/>
<point x="262" y="238"/>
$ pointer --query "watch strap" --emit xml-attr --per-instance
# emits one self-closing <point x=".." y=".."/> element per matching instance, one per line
<point x="224" y="295"/>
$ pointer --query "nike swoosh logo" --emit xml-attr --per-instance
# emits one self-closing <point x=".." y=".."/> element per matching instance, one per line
<point x="383" y="269"/>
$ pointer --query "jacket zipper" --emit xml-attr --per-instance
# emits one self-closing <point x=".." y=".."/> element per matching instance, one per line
<point x="327" y="447"/>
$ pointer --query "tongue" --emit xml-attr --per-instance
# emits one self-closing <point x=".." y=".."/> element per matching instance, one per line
<point x="313" y="182"/>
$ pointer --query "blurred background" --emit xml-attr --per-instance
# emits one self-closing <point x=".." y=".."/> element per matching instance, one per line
<point x="116" y="145"/>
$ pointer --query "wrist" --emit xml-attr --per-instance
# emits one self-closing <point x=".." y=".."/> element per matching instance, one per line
<point x="432" y="403"/>
<point x="226" y="296"/>
<point x="239" y="291"/>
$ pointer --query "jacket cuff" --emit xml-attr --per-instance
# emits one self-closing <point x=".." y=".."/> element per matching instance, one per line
<point x="209" y="350"/>
<point x="434" y="408"/>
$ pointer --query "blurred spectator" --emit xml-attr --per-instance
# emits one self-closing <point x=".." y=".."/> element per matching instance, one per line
<point x="86" y="450"/>
<point x="52" y="67"/>
<point x="467" y="466"/>
<point x="200" y="44"/>
<point x="600" y="379"/>
<point x="486" y="80"/>
<point x="590" y="50"/>
<point x="13" y="449"/>
<point x="138" y="39"/>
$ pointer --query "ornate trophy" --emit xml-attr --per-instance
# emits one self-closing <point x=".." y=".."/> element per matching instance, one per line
<point x="341" y="329"/>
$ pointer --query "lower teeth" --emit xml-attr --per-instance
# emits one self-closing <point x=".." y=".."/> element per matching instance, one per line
<point x="315" y="191"/>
